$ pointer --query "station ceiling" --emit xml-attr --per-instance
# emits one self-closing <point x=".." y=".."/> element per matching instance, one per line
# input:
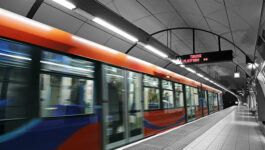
<point x="236" y="20"/>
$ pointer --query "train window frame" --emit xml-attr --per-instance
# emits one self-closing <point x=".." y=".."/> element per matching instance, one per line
<point x="29" y="68"/>
<point x="183" y="94"/>
<point x="170" y="90"/>
<point x="192" y="93"/>
<point x="156" y="88"/>
<point x="52" y="72"/>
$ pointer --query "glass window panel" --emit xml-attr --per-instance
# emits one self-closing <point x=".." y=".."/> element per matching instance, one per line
<point x="166" y="85"/>
<point x="215" y="100"/>
<point x="150" y="81"/>
<point x="135" y="124"/>
<point x="64" y="64"/>
<point x="196" y="96"/>
<point x="15" y="80"/>
<point x="134" y="91"/>
<point x="151" y="98"/>
<point x="203" y="98"/>
<point x="192" y="96"/>
<point x="114" y="90"/>
<point x="134" y="103"/>
<point x="168" y="99"/>
<point x="14" y="54"/>
<point x="61" y="95"/>
<point x="188" y="95"/>
<point x="178" y="87"/>
<point x="179" y="99"/>
<point x="210" y="98"/>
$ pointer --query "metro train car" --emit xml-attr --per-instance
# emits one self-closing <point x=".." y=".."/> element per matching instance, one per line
<point x="60" y="91"/>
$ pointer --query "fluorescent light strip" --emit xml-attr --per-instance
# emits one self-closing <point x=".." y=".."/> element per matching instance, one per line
<point x="176" y="61"/>
<point x="65" y="66"/>
<point x="24" y="19"/>
<point x="183" y="66"/>
<point x="14" y="56"/>
<point x="200" y="75"/>
<point x="115" y="29"/>
<point x="65" y="3"/>
<point x="156" y="51"/>
<point x="85" y="41"/>
<point x="191" y="70"/>
<point x="206" y="78"/>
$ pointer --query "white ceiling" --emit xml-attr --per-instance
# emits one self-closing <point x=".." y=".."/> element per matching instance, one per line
<point x="237" y="20"/>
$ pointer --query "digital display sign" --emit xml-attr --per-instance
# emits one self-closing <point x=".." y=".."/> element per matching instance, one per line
<point x="209" y="57"/>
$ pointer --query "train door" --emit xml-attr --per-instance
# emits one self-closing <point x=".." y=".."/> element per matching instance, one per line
<point x="135" y="111"/>
<point x="192" y="102"/>
<point x="122" y="112"/>
<point x="210" y="101"/>
<point x="189" y="104"/>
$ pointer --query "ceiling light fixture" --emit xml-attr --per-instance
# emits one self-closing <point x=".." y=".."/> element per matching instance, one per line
<point x="191" y="70"/>
<point x="251" y="66"/>
<point x="115" y="29"/>
<point x="183" y="66"/>
<point x="177" y="61"/>
<point x="200" y="75"/>
<point x="156" y="51"/>
<point x="66" y="4"/>
<point x="206" y="78"/>
<point x="237" y="75"/>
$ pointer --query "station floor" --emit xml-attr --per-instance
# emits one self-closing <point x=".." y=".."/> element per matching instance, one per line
<point x="230" y="129"/>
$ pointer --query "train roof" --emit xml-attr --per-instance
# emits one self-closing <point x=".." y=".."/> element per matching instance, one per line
<point x="20" y="28"/>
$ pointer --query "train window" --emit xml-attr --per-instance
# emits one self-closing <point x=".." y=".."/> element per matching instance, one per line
<point x="150" y="81"/>
<point x="215" y="102"/>
<point x="166" y="85"/>
<point x="203" y="98"/>
<point x="64" y="64"/>
<point x="210" y="96"/>
<point x="192" y="101"/>
<point x="179" y="99"/>
<point x="15" y="80"/>
<point x="66" y="86"/>
<point x="14" y="54"/>
<point x="134" y="93"/>
<point x="192" y="96"/>
<point x="134" y="103"/>
<point x="195" y="96"/>
<point x="167" y="98"/>
<point x="210" y="101"/>
<point x="188" y="95"/>
<point x="151" y="93"/>
<point x="114" y="94"/>
<point x="151" y="98"/>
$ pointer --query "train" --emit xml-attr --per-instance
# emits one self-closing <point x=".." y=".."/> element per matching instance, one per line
<point x="61" y="91"/>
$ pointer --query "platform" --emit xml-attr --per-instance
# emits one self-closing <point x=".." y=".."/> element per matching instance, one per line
<point x="230" y="129"/>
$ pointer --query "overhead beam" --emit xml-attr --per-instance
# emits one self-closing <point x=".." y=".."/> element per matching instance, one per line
<point x="34" y="8"/>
